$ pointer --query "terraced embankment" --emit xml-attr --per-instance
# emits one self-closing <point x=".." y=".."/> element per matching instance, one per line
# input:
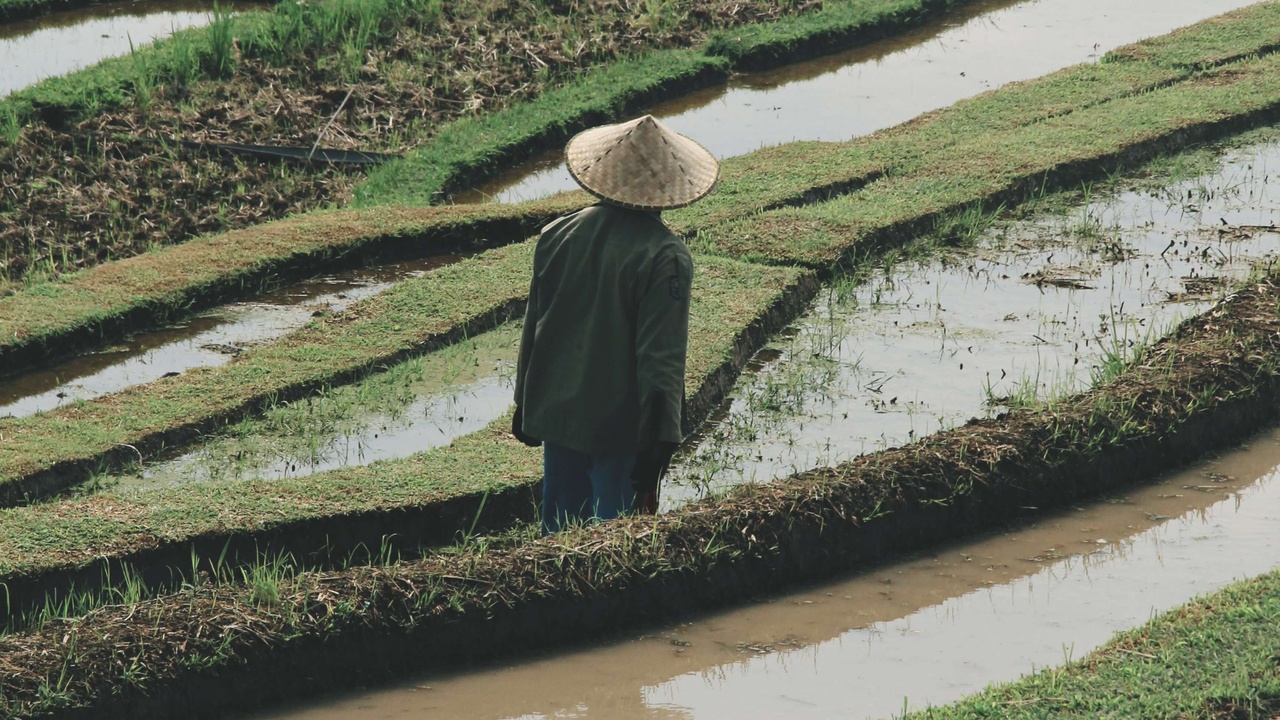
<point x="53" y="317"/>
<point x="423" y="499"/>
<point x="57" y="449"/>
<point x="1212" y="380"/>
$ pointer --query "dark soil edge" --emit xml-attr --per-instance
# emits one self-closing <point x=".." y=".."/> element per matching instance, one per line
<point x="815" y="537"/>
<point x="823" y="40"/>
<point x="328" y="541"/>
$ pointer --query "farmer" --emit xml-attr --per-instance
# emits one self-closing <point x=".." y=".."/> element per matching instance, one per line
<point x="600" y="380"/>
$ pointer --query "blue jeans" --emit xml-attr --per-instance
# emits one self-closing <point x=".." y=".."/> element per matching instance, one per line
<point x="578" y="488"/>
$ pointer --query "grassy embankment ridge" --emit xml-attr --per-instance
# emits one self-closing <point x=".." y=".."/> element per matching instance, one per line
<point x="51" y="451"/>
<point x="51" y="317"/>
<point x="55" y="449"/>
<point x="421" y="499"/>
<point x="1215" y="377"/>
<point x="417" y="71"/>
<point x="1215" y="658"/>
<point x="1001" y="169"/>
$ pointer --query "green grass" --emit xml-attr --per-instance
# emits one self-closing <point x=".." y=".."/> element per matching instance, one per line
<point x="727" y="297"/>
<point x="48" y="317"/>
<point x="1006" y="167"/>
<point x="1217" y="657"/>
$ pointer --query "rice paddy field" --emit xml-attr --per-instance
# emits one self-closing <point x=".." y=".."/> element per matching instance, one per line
<point x="981" y="395"/>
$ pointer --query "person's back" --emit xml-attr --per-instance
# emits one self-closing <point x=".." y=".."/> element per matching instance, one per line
<point x="607" y="324"/>
<point x="600" y="380"/>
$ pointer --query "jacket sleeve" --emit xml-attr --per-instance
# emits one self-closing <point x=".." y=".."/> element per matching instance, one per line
<point x="662" y="342"/>
<point x="526" y="334"/>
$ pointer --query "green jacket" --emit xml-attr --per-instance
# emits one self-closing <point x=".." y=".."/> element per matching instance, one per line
<point x="601" y="366"/>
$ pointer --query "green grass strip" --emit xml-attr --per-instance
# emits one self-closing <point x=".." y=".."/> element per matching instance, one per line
<point x="1005" y="167"/>
<point x="1217" y="657"/>
<point x="729" y="297"/>
<point x="51" y="317"/>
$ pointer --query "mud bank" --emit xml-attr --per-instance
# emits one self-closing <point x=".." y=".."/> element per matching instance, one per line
<point x="1208" y="385"/>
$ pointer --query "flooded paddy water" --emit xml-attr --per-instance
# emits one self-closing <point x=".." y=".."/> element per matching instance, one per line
<point x="1033" y="310"/>
<point x="972" y="49"/>
<point x="419" y="404"/>
<point x="209" y="338"/>
<point x="927" y="629"/>
<point x="57" y="44"/>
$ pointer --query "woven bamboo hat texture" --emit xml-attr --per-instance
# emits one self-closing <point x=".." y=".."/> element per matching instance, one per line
<point x="641" y="164"/>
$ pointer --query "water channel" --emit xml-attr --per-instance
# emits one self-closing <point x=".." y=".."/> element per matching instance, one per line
<point x="923" y="630"/>
<point x="975" y="48"/>
<point x="52" y="45"/>
<point x="207" y="339"/>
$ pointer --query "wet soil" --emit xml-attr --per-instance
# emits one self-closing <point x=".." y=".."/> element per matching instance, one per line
<point x="83" y="191"/>
<point x="210" y="338"/>
<point x="53" y="45"/>
<point x="976" y="48"/>
<point x="1038" y="309"/>
<point x="962" y="616"/>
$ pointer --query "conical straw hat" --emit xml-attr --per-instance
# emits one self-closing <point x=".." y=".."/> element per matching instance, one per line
<point x="641" y="164"/>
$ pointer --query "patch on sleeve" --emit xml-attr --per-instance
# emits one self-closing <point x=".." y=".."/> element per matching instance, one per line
<point x="675" y="287"/>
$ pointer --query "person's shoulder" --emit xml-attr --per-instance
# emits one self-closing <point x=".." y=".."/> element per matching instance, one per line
<point x="564" y="219"/>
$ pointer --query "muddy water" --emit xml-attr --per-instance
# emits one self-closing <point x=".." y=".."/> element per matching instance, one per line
<point x="210" y="338"/>
<point x="1039" y="309"/>
<point x="929" y="629"/>
<point x="419" y="404"/>
<point x="973" y="49"/>
<point x="32" y="50"/>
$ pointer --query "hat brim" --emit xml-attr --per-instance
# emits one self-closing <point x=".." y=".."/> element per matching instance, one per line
<point x="642" y="165"/>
